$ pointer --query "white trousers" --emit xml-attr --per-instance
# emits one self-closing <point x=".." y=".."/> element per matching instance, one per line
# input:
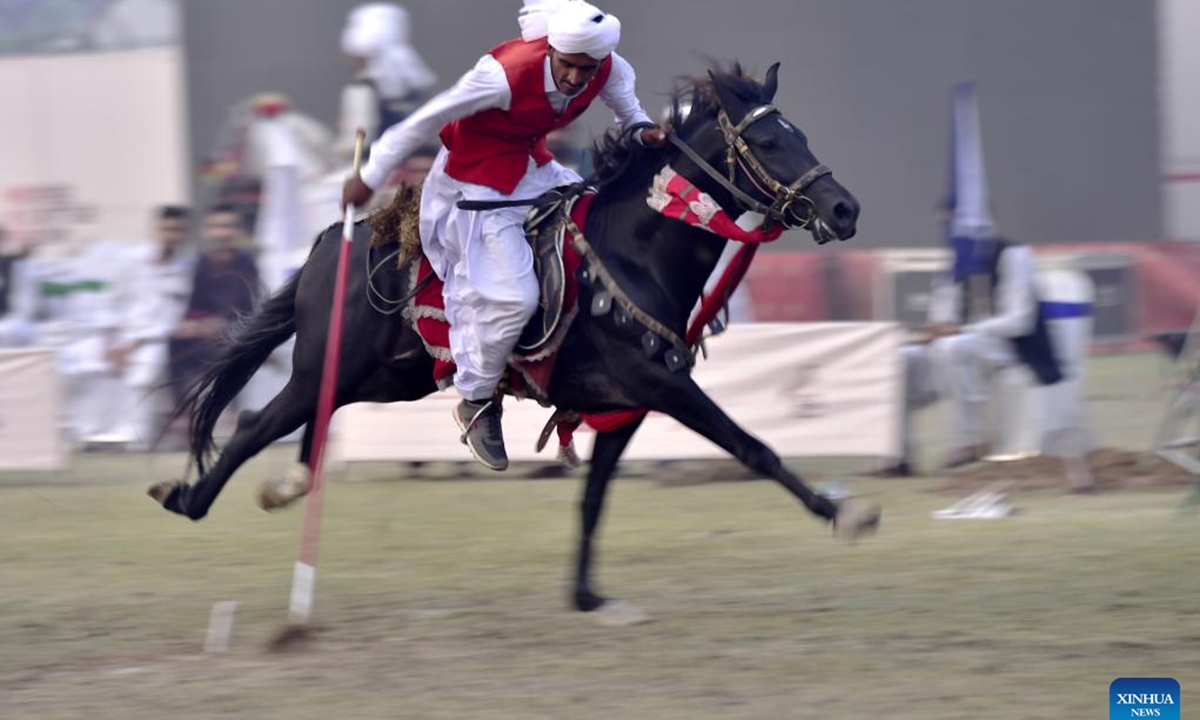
<point x="95" y="403"/>
<point x="958" y="368"/>
<point x="487" y="267"/>
<point x="16" y="332"/>
<point x="144" y="402"/>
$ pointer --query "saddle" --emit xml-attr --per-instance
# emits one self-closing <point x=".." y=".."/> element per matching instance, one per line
<point x="544" y="229"/>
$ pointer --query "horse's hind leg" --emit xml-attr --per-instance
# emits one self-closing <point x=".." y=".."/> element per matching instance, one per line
<point x="288" y="410"/>
<point x="294" y="484"/>
<point x="397" y="383"/>
<point x="306" y="445"/>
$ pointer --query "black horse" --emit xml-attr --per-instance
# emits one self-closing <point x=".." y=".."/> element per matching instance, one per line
<point x="661" y="264"/>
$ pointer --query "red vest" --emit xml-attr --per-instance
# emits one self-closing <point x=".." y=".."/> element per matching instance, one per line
<point x="493" y="147"/>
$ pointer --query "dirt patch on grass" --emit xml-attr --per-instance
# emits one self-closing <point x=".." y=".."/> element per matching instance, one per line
<point x="1112" y="470"/>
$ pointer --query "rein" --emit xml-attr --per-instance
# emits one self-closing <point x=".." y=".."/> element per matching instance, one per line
<point x="785" y="198"/>
<point x="740" y="195"/>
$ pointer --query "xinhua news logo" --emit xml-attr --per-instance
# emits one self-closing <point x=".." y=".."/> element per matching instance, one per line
<point x="1143" y="698"/>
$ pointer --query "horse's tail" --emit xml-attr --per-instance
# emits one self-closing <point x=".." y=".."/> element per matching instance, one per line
<point x="247" y="347"/>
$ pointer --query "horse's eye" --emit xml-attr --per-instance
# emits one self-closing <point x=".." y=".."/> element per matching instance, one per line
<point x="767" y="145"/>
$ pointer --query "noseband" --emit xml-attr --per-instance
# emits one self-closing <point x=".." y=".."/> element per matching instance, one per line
<point x="788" y="203"/>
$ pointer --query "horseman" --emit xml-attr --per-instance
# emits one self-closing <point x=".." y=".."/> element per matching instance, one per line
<point x="494" y="122"/>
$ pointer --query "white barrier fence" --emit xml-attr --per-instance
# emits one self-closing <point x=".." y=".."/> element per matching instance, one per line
<point x="30" y="404"/>
<point x="90" y="143"/>
<point x="807" y="390"/>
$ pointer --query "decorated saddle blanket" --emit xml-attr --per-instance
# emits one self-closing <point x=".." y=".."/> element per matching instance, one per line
<point x="532" y="365"/>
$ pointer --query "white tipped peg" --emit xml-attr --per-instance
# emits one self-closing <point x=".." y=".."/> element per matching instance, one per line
<point x="220" y="627"/>
<point x="303" y="580"/>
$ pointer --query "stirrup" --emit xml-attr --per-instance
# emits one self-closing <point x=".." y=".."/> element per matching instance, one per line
<point x="475" y="418"/>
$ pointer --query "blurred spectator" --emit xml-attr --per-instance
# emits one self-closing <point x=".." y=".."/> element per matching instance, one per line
<point x="16" y="330"/>
<point x="262" y="134"/>
<point x="243" y="194"/>
<point x="71" y="295"/>
<point x="986" y="318"/>
<point x="225" y="286"/>
<point x="157" y="297"/>
<point x="389" y="75"/>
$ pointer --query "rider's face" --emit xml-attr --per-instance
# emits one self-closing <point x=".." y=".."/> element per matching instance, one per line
<point x="573" y="71"/>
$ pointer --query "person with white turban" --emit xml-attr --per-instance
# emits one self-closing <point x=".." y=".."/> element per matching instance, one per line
<point x="493" y="124"/>
<point x="389" y="74"/>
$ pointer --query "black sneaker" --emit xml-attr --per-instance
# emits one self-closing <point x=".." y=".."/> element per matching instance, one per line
<point x="482" y="433"/>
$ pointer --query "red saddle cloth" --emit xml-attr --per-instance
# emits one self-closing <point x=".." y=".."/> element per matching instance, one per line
<point x="530" y="376"/>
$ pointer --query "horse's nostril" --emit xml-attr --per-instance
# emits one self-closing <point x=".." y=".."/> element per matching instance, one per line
<point x="842" y="211"/>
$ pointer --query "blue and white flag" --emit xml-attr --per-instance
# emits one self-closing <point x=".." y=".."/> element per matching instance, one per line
<point x="970" y="225"/>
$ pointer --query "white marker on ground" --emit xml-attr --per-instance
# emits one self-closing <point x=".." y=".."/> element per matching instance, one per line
<point x="220" y="627"/>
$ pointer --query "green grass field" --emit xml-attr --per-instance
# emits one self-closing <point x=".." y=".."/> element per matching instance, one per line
<point x="444" y="599"/>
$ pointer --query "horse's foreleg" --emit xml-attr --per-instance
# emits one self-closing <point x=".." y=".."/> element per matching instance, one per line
<point x="605" y="453"/>
<point x="681" y="398"/>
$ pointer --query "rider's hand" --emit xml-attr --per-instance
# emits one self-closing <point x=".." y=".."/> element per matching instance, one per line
<point x="655" y="137"/>
<point x="356" y="192"/>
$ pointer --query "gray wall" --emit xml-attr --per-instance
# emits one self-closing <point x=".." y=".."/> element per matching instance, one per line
<point x="1067" y="88"/>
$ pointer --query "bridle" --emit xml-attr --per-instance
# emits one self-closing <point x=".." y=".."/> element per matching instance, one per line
<point x="788" y="203"/>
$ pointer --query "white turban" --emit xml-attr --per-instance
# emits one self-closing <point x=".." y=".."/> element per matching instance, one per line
<point x="378" y="33"/>
<point x="571" y="26"/>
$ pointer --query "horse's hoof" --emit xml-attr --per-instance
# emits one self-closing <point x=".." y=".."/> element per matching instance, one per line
<point x="282" y="491"/>
<point x="161" y="491"/>
<point x="855" y="519"/>
<point x="618" y="613"/>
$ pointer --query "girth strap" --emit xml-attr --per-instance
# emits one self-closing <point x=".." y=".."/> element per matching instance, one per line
<point x="596" y="267"/>
<point x="495" y="204"/>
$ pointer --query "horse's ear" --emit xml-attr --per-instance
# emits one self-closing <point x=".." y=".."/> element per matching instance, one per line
<point x="771" y="84"/>
<point x="732" y="104"/>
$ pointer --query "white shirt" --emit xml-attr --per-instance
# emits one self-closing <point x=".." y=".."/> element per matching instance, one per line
<point x="485" y="87"/>
<point x="360" y="109"/>
<point x="1015" y="312"/>
<point x="157" y="295"/>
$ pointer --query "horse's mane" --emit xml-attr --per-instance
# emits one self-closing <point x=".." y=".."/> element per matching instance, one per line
<point x="623" y="166"/>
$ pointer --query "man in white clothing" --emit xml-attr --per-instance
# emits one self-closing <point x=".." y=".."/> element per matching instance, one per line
<point x="986" y="318"/>
<point x="157" y="298"/>
<point x="493" y="123"/>
<point x="389" y="74"/>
